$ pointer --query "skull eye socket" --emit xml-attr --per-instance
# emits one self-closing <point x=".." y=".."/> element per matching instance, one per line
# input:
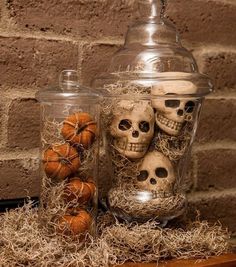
<point x="172" y="103"/>
<point x="144" y="126"/>
<point x="161" y="172"/>
<point x="143" y="175"/>
<point x="189" y="107"/>
<point x="125" y="125"/>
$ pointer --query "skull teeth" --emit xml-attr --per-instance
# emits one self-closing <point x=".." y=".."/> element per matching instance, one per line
<point x="161" y="194"/>
<point x="134" y="147"/>
<point x="145" y="196"/>
<point x="169" y="123"/>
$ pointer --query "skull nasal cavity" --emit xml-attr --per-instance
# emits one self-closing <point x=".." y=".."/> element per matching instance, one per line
<point x="153" y="181"/>
<point x="180" y="112"/>
<point x="161" y="172"/>
<point x="135" y="134"/>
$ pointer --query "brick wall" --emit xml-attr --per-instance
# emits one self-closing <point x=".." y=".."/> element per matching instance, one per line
<point x="40" y="38"/>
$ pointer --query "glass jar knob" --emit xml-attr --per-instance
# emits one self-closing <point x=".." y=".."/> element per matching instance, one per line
<point x="152" y="9"/>
<point x="68" y="79"/>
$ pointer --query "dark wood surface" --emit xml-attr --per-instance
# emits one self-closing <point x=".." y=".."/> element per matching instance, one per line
<point x="228" y="260"/>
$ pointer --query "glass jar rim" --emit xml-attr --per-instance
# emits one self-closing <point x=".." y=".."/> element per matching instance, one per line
<point x="201" y="82"/>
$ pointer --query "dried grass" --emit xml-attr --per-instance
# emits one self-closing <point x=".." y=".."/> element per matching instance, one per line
<point x="52" y="132"/>
<point x="125" y="171"/>
<point x="23" y="242"/>
<point x="53" y="204"/>
<point x="173" y="147"/>
<point x="148" y="242"/>
<point x="127" y="88"/>
<point x="89" y="161"/>
<point x="132" y="203"/>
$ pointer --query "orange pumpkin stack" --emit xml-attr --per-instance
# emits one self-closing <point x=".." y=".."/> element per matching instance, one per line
<point x="75" y="222"/>
<point x="60" y="161"/>
<point x="83" y="192"/>
<point x="63" y="161"/>
<point x="79" y="128"/>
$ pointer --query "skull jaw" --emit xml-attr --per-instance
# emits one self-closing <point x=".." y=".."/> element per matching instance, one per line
<point x="161" y="191"/>
<point x="131" y="150"/>
<point x="168" y="126"/>
<point x="158" y="194"/>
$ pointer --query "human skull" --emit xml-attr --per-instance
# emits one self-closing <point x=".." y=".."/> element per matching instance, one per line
<point x="132" y="127"/>
<point x="156" y="175"/>
<point x="172" y="113"/>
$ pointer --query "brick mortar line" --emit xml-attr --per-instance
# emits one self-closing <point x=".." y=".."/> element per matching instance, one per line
<point x="232" y="2"/>
<point x="51" y="37"/>
<point x="226" y="145"/>
<point x="5" y="21"/>
<point x="20" y="92"/>
<point x="226" y="96"/>
<point x="106" y="41"/>
<point x="195" y="169"/>
<point x="80" y="60"/>
<point x="205" y="195"/>
<point x="37" y="36"/>
<point x="210" y="48"/>
<point x="11" y="155"/>
<point x="4" y="118"/>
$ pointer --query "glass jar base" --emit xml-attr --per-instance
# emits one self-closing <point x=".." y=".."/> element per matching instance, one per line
<point x="144" y="215"/>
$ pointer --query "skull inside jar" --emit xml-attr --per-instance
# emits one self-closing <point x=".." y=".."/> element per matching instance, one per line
<point x="156" y="174"/>
<point x="171" y="113"/>
<point x="132" y="127"/>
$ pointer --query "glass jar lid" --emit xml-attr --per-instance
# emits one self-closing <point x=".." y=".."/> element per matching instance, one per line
<point x="181" y="83"/>
<point x="68" y="89"/>
<point x="153" y="53"/>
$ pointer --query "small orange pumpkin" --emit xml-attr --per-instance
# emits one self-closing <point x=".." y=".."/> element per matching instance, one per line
<point x="61" y="161"/>
<point x="75" y="222"/>
<point x="82" y="191"/>
<point x="79" y="128"/>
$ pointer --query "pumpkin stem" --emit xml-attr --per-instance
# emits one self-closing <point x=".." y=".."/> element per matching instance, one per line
<point x="65" y="161"/>
<point x="74" y="212"/>
<point x="84" y="126"/>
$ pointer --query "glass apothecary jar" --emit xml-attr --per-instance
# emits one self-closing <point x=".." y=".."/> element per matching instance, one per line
<point x="153" y="96"/>
<point x="70" y="117"/>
